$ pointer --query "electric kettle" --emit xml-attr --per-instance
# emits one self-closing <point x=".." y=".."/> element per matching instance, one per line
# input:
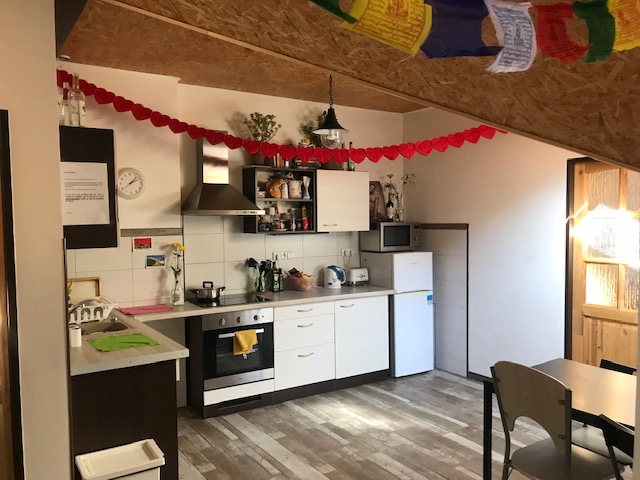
<point x="334" y="276"/>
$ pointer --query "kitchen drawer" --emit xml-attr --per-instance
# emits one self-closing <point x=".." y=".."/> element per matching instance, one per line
<point x="303" y="332"/>
<point x="302" y="311"/>
<point x="304" y="366"/>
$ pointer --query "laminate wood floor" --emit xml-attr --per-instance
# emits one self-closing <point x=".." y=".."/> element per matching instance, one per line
<point x="426" y="426"/>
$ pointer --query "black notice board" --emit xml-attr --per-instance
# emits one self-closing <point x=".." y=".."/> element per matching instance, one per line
<point x="80" y="144"/>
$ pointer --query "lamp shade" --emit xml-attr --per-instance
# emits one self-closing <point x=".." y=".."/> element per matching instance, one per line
<point x="330" y="123"/>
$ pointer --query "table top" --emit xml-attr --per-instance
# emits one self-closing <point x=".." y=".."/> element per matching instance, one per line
<point x="596" y="390"/>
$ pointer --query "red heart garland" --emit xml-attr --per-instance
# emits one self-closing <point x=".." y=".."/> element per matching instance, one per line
<point x="251" y="146"/>
<point x="103" y="97"/>
<point x="340" y="155"/>
<point x="323" y="155"/>
<point x="374" y="154"/>
<point x="269" y="149"/>
<point x="357" y="154"/>
<point x="391" y="152"/>
<point x="440" y="143"/>
<point x="196" y="132"/>
<point x="287" y="151"/>
<point x="213" y="137"/>
<point x="456" y="139"/>
<point x="177" y="126"/>
<point x="158" y="119"/>
<point x="87" y="88"/>
<point x="121" y="104"/>
<point x="407" y="150"/>
<point x="140" y="112"/>
<point x="61" y="77"/>
<point x="232" y="142"/>
<point x="486" y="131"/>
<point x="424" y="147"/>
<point x="305" y="153"/>
<point x="472" y="135"/>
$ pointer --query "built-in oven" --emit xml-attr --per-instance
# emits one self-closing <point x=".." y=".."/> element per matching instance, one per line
<point x="215" y="374"/>
<point x="221" y="367"/>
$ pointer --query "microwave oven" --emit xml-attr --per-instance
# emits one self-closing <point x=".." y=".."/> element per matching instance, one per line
<point x="391" y="237"/>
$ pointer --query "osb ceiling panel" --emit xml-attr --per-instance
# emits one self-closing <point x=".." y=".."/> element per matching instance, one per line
<point x="593" y="108"/>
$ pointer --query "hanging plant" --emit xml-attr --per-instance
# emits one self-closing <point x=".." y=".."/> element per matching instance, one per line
<point x="262" y="127"/>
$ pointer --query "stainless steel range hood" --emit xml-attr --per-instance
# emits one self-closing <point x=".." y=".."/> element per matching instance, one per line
<point x="212" y="194"/>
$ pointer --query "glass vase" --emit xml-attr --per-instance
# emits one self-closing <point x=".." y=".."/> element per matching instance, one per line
<point x="177" y="294"/>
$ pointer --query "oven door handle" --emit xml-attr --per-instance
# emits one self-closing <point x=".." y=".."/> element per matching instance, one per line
<point x="231" y="335"/>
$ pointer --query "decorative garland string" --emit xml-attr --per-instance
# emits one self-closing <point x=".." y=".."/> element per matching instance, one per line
<point x="288" y="152"/>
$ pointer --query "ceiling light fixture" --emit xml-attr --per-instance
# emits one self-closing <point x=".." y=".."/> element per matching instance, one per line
<point x="330" y="131"/>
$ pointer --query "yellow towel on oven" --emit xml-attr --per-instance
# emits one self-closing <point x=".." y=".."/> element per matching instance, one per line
<point x="243" y="341"/>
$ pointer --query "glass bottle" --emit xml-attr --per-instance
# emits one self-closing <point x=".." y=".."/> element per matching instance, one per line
<point x="63" y="117"/>
<point x="390" y="210"/>
<point x="76" y="103"/>
<point x="177" y="294"/>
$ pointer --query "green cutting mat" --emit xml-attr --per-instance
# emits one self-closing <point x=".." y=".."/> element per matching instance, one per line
<point x="120" y="342"/>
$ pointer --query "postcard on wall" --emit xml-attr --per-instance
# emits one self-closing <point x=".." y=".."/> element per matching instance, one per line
<point x="142" y="243"/>
<point x="155" y="261"/>
<point x="85" y="195"/>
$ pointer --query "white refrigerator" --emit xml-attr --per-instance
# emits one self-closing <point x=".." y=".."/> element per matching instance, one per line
<point x="410" y="309"/>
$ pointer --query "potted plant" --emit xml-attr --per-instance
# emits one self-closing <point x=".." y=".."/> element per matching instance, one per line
<point x="262" y="128"/>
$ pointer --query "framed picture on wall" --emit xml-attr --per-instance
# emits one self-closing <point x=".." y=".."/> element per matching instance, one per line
<point x="377" y="209"/>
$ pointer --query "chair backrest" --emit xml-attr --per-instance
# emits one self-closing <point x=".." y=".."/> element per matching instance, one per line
<point x="618" y="367"/>
<point x="525" y="392"/>
<point x="617" y="435"/>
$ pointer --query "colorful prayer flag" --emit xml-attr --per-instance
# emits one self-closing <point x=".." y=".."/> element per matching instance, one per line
<point x="627" y="17"/>
<point x="402" y="24"/>
<point x="457" y="30"/>
<point x="515" y="32"/>
<point x="552" y="35"/>
<point x="601" y="25"/>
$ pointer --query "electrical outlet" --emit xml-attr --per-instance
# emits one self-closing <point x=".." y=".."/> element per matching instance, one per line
<point x="349" y="252"/>
<point x="345" y="252"/>
<point x="284" y="255"/>
<point x="275" y="256"/>
<point x="291" y="255"/>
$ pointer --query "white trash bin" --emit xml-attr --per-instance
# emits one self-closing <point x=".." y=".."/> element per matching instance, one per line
<point x="136" y="461"/>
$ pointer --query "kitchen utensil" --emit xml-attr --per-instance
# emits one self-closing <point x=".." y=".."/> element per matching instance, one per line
<point x="334" y="276"/>
<point x="357" y="276"/>
<point x="208" y="292"/>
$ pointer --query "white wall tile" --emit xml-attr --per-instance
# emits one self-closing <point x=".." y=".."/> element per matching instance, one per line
<point x="320" y="245"/>
<point x="453" y="294"/>
<point x="240" y="246"/>
<point x="314" y="266"/>
<point x="204" y="248"/>
<point x="71" y="263"/>
<point x="194" y="224"/>
<point x="448" y="242"/>
<point x="92" y="259"/>
<point x="197" y="273"/>
<point x="152" y="285"/>
<point x="116" y="284"/>
<point x="159" y="246"/>
<point x="451" y="319"/>
<point x="235" y="225"/>
<point x="237" y="277"/>
<point x="451" y="352"/>
<point x="450" y="267"/>
<point x="348" y="240"/>
<point x="284" y="243"/>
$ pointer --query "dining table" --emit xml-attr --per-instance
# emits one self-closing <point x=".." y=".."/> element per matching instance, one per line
<point x="595" y="391"/>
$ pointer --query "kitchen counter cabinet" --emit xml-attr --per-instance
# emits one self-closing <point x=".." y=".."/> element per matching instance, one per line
<point x="303" y="345"/>
<point x="361" y="336"/>
<point x="342" y="201"/>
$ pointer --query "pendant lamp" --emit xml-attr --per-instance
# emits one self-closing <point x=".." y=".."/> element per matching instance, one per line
<point x="330" y="131"/>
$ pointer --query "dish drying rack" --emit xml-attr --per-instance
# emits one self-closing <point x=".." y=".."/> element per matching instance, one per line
<point x="99" y="309"/>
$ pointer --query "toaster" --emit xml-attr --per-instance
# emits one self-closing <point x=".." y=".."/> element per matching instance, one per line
<point x="357" y="276"/>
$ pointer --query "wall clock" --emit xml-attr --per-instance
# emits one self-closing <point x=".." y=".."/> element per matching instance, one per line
<point x="131" y="183"/>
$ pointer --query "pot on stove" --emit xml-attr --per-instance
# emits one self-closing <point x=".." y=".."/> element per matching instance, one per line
<point x="208" y="292"/>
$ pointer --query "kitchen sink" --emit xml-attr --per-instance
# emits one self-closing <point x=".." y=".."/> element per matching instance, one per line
<point x="103" y="326"/>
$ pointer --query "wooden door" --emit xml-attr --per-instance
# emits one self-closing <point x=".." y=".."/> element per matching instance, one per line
<point x="605" y="239"/>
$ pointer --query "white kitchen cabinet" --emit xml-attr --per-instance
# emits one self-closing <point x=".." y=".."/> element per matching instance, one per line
<point x="303" y="345"/>
<point x="342" y="201"/>
<point x="361" y="336"/>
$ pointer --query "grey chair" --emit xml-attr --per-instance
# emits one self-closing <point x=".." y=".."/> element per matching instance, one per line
<point x="619" y="439"/>
<point x="617" y="367"/>
<point x="525" y="392"/>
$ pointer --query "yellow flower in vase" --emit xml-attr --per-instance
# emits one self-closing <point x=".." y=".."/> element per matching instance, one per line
<point x="177" y="294"/>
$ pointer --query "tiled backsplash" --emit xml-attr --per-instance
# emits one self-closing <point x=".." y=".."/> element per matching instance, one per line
<point x="216" y="251"/>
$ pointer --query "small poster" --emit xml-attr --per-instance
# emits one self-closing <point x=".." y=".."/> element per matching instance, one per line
<point x="85" y="195"/>
<point x="155" y="261"/>
<point x="142" y="243"/>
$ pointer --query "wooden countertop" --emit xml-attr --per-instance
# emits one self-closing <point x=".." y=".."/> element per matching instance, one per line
<point x="279" y="299"/>
<point x="86" y="359"/>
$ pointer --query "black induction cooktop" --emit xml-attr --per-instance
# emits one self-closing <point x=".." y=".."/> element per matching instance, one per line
<point x="228" y="300"/>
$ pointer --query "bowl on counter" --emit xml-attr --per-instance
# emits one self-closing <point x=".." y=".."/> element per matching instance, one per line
<point x="300" y="283"/>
